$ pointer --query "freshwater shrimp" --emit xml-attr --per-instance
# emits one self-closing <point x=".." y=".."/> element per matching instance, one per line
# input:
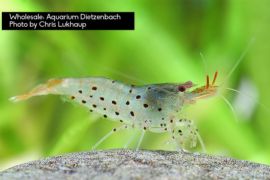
<point x="151" y="107"/>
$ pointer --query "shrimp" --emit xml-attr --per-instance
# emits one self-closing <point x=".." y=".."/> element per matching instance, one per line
<point x="151" y="107"/>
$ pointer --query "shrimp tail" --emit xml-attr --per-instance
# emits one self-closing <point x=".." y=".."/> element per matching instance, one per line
<point x="43" y="89"/>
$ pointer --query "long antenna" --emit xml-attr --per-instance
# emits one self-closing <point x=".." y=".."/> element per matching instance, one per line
<point x="251" y="97"/>
<point x="230" y="106"/>
<point x="239" y="59"/>
<point x="204" y="63"/>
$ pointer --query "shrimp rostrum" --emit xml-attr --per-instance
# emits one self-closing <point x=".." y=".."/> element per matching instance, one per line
<point x="153" y="107"/>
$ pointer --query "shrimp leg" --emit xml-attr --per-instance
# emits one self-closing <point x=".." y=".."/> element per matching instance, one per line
<point x="156" y="130"/>
<point x="140" y="140"/>
<point x="108" y="135"/>
<point x="201" y="142"/>
<point x="129" y="141"/>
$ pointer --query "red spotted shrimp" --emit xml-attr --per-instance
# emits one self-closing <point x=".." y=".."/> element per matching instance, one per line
<point x="153" y="107"/>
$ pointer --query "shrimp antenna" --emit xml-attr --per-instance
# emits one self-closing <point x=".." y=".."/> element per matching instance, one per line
<point x="204" y="62"/>
<point x="207" y="76"/>
<point x="230" y="106"/>
<point x="239" y="59"/>
<point x="207" y="82"/>
<point x="251" y="97"/>
<point x="215" y="77"/>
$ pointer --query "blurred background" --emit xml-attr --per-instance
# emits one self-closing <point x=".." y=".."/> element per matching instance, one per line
<point x="164" y="47"/>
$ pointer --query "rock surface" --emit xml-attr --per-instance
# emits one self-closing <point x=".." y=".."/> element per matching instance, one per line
<point x="129" y="164"/>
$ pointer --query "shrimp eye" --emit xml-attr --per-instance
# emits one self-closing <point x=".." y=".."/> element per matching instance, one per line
<point x="181" y="88"/>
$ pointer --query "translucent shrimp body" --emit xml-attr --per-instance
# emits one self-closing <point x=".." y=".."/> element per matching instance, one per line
<point x="151" y="107"/>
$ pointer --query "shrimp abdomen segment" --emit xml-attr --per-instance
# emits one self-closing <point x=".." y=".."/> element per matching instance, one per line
<point x="65" y="86"/>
